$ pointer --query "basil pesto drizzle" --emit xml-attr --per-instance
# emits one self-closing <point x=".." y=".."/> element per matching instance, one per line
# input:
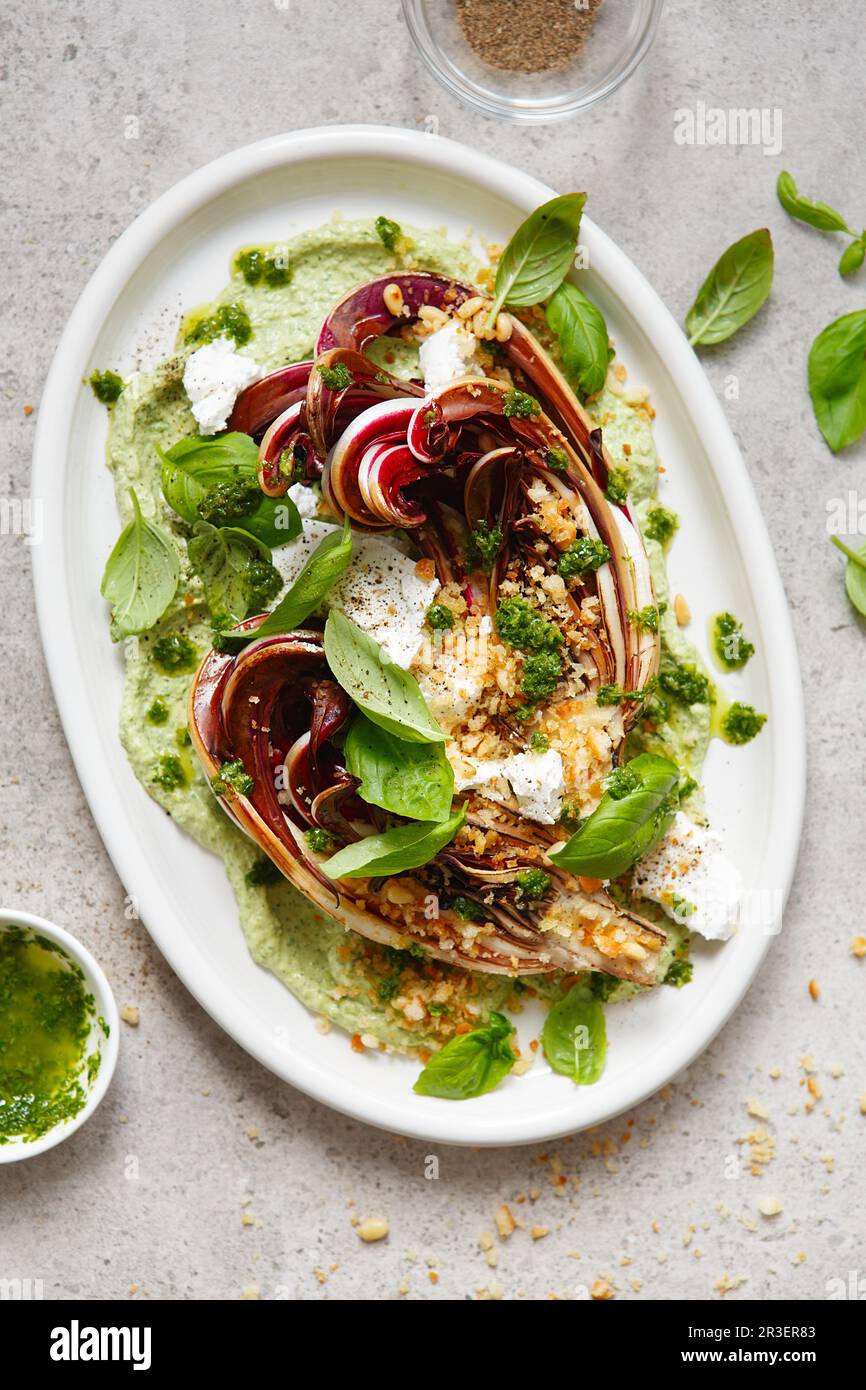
<point x="45" y="1017"/>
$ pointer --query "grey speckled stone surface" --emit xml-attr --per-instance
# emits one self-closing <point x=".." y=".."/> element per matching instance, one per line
<point x="149" y="1193"/>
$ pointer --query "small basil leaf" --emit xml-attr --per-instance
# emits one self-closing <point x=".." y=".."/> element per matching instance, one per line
<point x="191" y="467"/>
<point x="409" y="779"/>
<point x="574" y="1038"/>
<point x="853" y="256"/>
<point x="394" y="851"/>
<point x="539" y="255"/>
<point x="141" y="576"/>
<point x="837" y="379"/>
<point x="819" y="215"/>
<point x="621" y="830"/>
<point x="328" y="562"/>
<point x="734" y="290"/>
<point x="387" y="694"/>
<point x="470" y="1065"/>
<point x="582" y="334"/>
<point x="221" y="557"/>
<point x="855" y="574"/>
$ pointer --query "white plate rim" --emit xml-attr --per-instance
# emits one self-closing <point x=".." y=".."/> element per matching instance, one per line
<point x="447" y="1123"/>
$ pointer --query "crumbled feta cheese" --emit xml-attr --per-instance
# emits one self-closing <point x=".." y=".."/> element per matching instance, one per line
<point x="451" y="688"/>
<point x="213" y="377"/>
<point x="537" y="782"/>
<point x="383" y="593"/>
<point x="381" y="590"/>
<point x="290" y="559"/>
<point x="692" y="879"/>
<point x="447" y="355"/>
<point x="305" y="498"/>
<point x="535" y="779"/>
<point x="488" y="779"/>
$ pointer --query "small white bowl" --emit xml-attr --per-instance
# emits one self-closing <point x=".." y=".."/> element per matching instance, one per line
<point x="103" y="1040"/>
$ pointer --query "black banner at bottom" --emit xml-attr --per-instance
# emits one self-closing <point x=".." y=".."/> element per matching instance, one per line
<point x="62" y="1339"/>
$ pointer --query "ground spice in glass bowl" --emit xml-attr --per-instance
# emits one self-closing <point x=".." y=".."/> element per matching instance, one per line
<point x="527" y="35"/>
<point x="531" y="60"/>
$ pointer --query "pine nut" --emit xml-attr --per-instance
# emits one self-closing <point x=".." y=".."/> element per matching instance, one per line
<point x="633" y="951"/>
<point x="393" y="297"/>
<point x="436" y="318"/>
<point x="682" y="611"/>
<point x="374" y="1228"/>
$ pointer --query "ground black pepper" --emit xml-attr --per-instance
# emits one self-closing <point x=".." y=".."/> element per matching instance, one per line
<point x="527" y="35"/>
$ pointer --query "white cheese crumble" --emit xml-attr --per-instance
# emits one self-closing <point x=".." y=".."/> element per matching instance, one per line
<point x="290" y="559"/>
<point x="381" y="590"/>
<point x="454" y="683"/>
<point x="305" y="498"/>
<point x="383" y="593"/>
<point x="451" y="689"/>
<point x="447" y="355"/>
<point x="213" y="378"/>
<point x="692" y="879"/>
<point x="535" y="779"/>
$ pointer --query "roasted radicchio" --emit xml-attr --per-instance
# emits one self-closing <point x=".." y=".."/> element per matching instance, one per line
<point x="511" y="457"/>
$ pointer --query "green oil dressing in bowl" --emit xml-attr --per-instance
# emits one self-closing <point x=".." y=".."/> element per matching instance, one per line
<point x="45" y="1020"/>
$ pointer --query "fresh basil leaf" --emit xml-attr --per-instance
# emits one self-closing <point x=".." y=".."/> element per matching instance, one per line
<point x="855" y="574"/>
<point x="328" y="563"/>
<point x="394" y="851"/>
<point x="470" y="1065"/>
<point x="621" y="830"/>
<point x="410" y="779"/>
<point x="387" y="694"/>
<point x="734" y="290"/>
<point x="191" y="467"/>
<point x="853" y="256"/>
<point x="141" y="576"/>
<point x="222" y="557"/>
<point x="539" y="255"/>
<point x="582" y="334"/>
<point x="837" y="379"/>
<point x="574" y="1038"/>
<point x="819" y="215"/>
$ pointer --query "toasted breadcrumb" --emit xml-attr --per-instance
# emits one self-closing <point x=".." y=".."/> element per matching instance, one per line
<point x="505" y="1223"/>
<point x="726" y="1283"/>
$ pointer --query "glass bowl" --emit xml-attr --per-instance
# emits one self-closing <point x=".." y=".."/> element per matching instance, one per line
<point x="618" y="39"/>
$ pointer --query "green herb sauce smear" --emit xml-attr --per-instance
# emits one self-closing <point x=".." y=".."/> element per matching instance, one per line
<point x="45" y="1018"/>
<point x="730" y="647"/>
